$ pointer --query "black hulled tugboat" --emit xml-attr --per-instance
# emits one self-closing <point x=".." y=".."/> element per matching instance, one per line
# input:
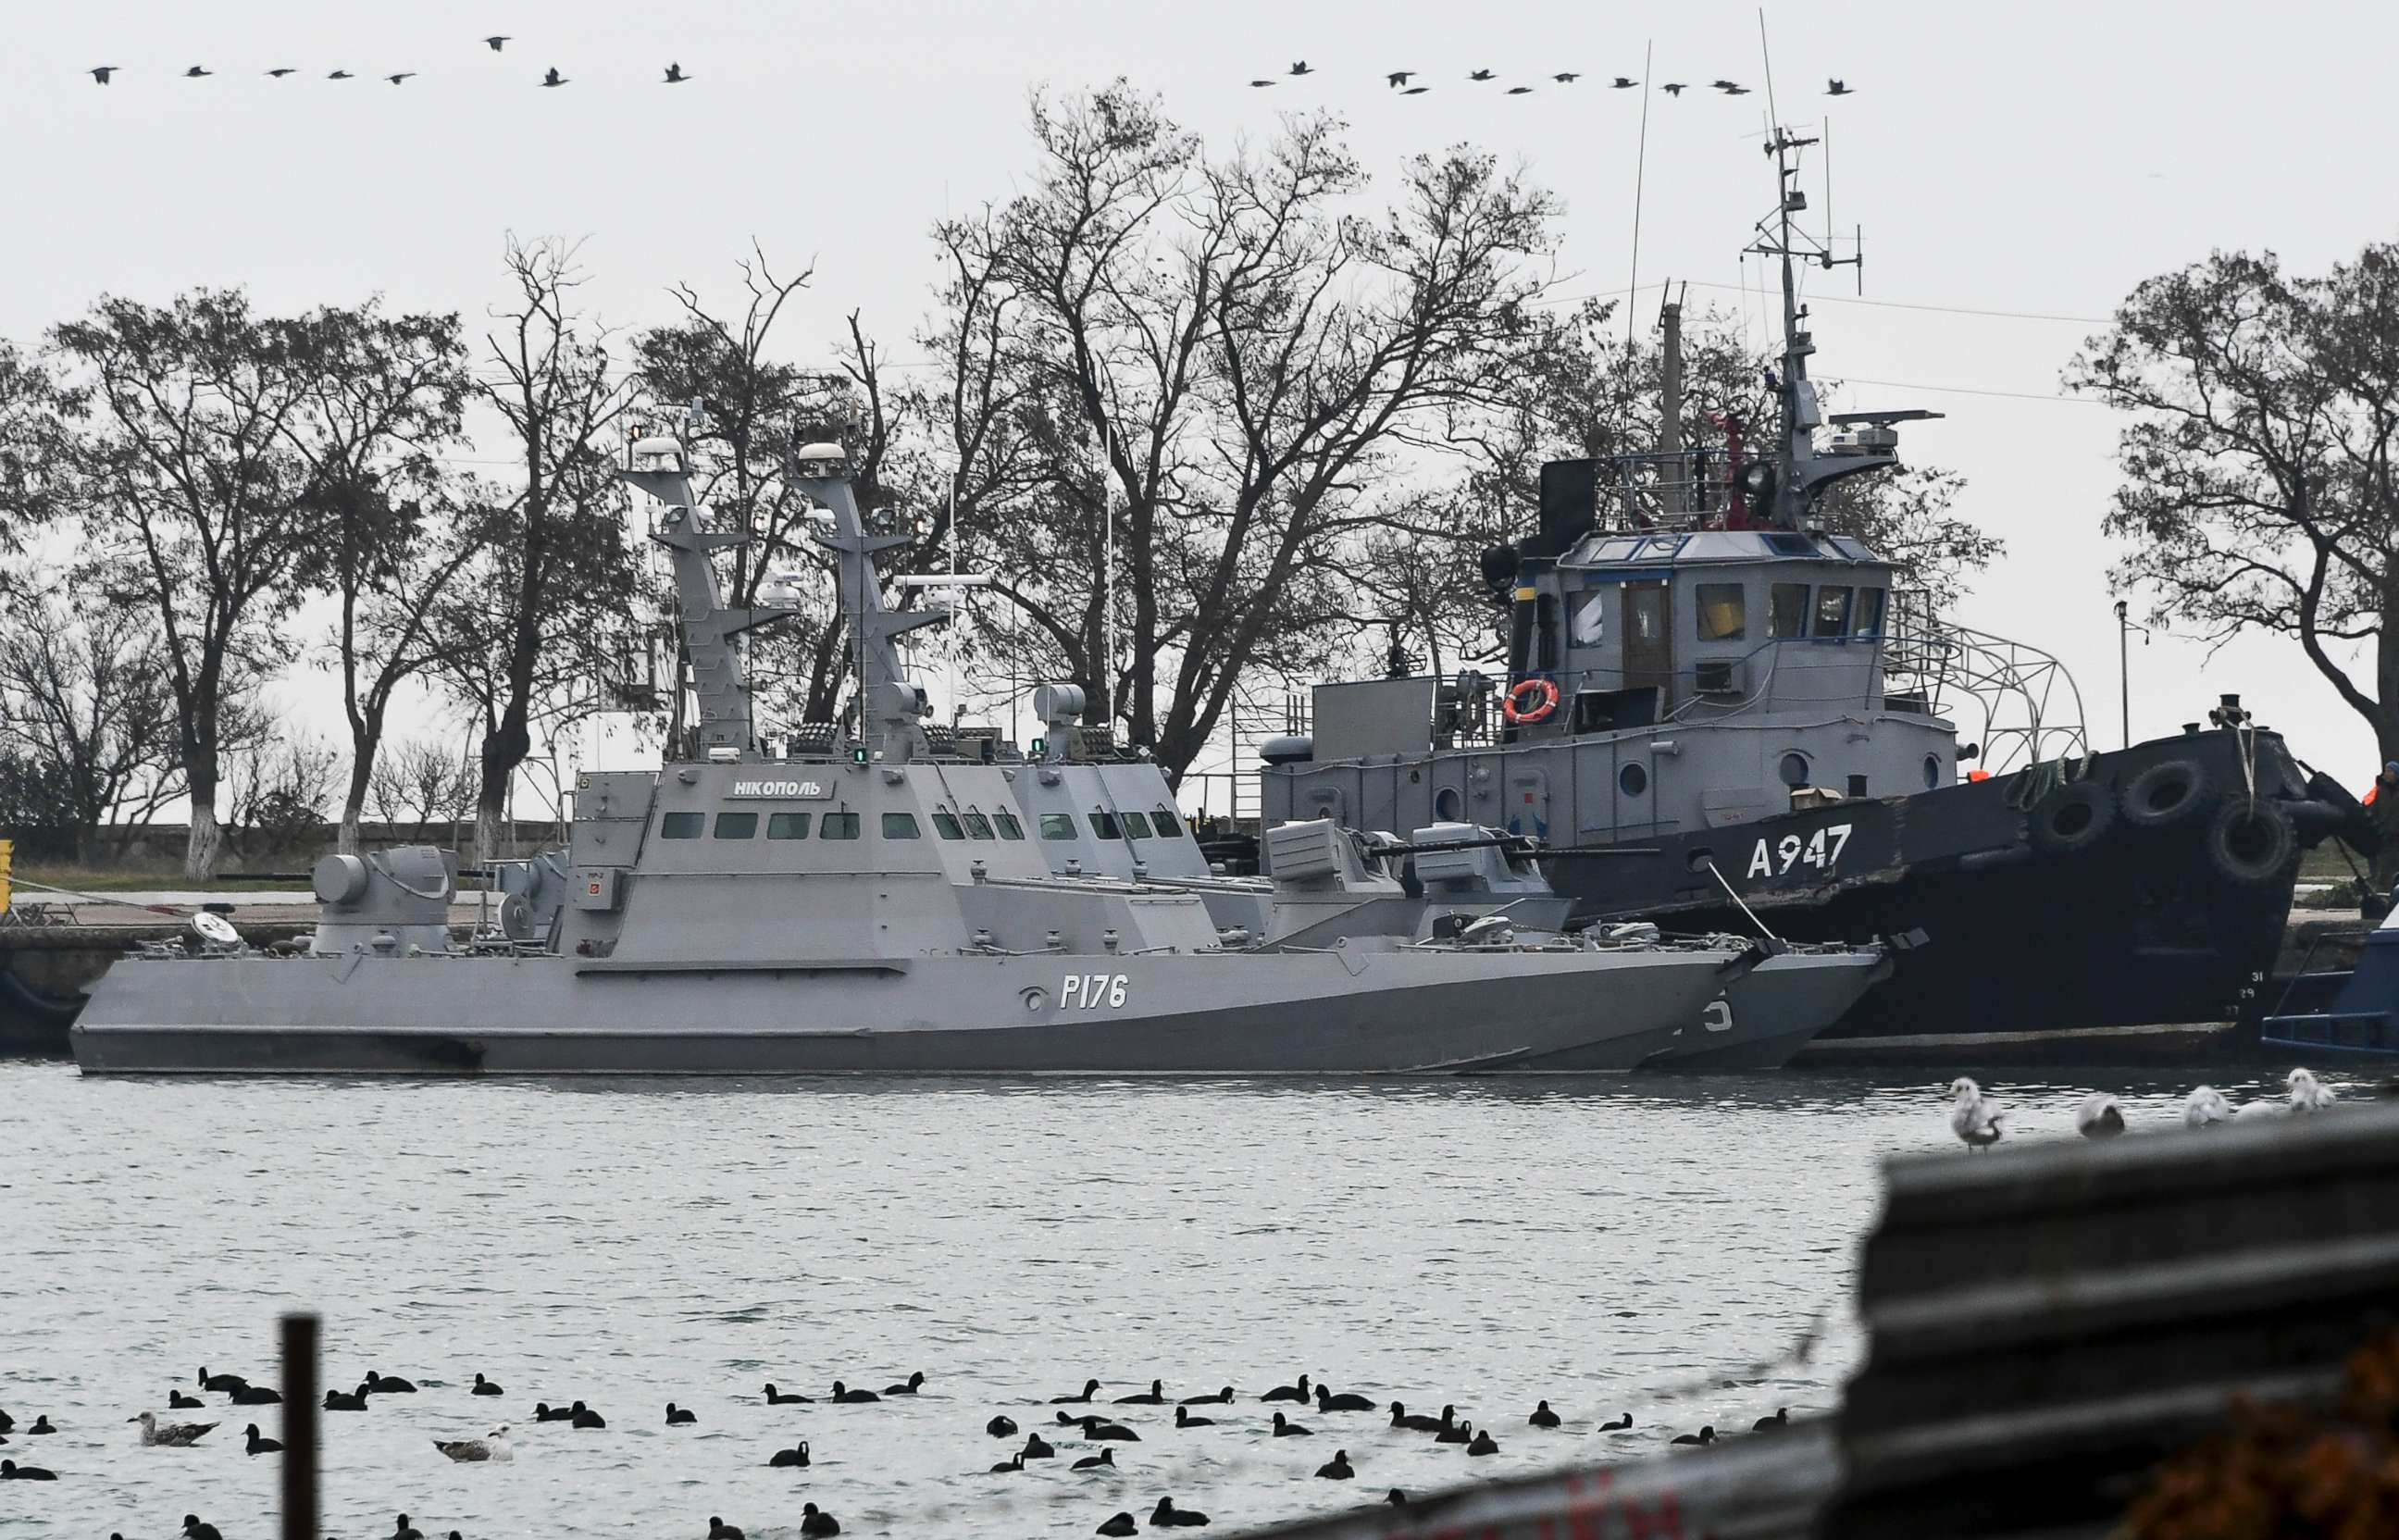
<point x="1721" y="712"/>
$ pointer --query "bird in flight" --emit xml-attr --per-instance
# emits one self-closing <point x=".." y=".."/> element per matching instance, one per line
<point x="341" y="75"/>
<point x="1673" y="87"/>
<point x="1566" y="77"/>
<point x="103" y="73"/>
<point x="1480" y="75"/>
<point x="1520" y="91"/>
<point x="1400" y="77"/>
<point x="1416" y="90"/>
<point x="676" y="76"/>
<point x="1723" y="85"/>
<point x="1736" y="90"/>
<point x="553" y="77"/>
<point x="495" y="42"/>
<point x="1261" y="82"/>
<point x="278" y="75"/>
<point x="1300" y="67"/>
<point x="404" y="74"/>
<point x="195" y="72"/>
<point x="1624" y="85"/>
<point x="1838" y="88"/>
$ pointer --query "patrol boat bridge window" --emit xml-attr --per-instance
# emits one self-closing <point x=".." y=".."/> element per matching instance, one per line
<point x="787" y="826"/>
<point x="1832" y="611"/>
<point x="1057" y="826"/>
<point x="978" y="827"/>
<point x="1009" y="828"/>
<point x="1167" y="825"/>
<point x="1869" y="621"/>
<point x="1786" y="611"/>
<point x="680" y="826"/>
<point x="1103" y="824"/>
<point x="1723" y="613"/>
<point x="1136" y="826"/>
<point x="947" y="825"/>
<point x="737" y="826"/>
<point x="898" y="826"/>
<point x="839" y="826"/>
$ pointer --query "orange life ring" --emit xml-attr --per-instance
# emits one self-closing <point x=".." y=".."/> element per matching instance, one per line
<point x="1519" y="714"/>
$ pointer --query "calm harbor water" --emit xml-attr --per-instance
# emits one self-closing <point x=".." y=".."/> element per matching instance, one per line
<point x="1488" y="1242"/>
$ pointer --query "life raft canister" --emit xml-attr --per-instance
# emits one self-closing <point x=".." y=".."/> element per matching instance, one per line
<point x="1519" y="712"/>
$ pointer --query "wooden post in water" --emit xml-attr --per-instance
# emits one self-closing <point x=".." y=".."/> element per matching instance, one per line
<point x="300" y="1412"/>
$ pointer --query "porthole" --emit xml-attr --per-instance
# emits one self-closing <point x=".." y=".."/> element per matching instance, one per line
<point x="1632" y="779"/>
<point x="1795" y="769"/>
<point x="1931" y="771"/>
<point x="1446" y="805"/>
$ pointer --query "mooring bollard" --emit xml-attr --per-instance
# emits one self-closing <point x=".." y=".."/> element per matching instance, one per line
<point x="300" y="1413"/>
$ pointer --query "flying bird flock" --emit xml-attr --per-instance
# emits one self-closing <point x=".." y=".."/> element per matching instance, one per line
<point x="1404" y="82"/>
<point x="497" y="43"/>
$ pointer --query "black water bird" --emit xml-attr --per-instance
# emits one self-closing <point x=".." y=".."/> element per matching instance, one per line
<point x="484" y="1387"/>
<point x="388" y="1385"/>
<point x="1737" y="90"/>
<point x="1723" y="85"/>
<point x="1338" y="1468"/>
<point x="777" y="1397"/>
<point x="257" y="1445"/>
<point x="1520" y="91"/>
<point x="8" y="1423"/>
<point x="403" y="1530"/>
<point x="1224" y="1396"/>
<point x="680" y="1416"/>
<point x="404" y="74"/>
<point x="553" y="79"/>
<point x="816" y="1523"/>
<point x="1167" y="1515"/>
<point x="1299" y="1391"/>
<point x="1838" y="87"/>
<point x="1415" y="1421"/>
<point x="795" y="1457"/>
<point x="1705" y="1435"/>
<point x="1781" y="1419"/>
<point x="1008" y="1467"/>
<point x="219" y="1382"/>
<point x="1618" y="1426"/>
<point x="1400" y="77"/>
<point x="496" y="42"/>
<point x="256" y="1395"/>
<point x="676" y="76"/>
<point x="11" y="1471"/>
<point x="844" y="1395"/>
<point x="1261" y="83"/>
<point x="341" y="75"/>
<point x="347" y="1401"/>
<point x="1327" y="1401"/>
<point x="545" y="1412"/>
<point x="195" y="72"/>
<point x="1543" y="1417"/>
<point x="1395" y="1497"/>
<point x="1001" y="1427"/>
<point x="1674" y="88"/>
<point x="1182" y="1418"/>
<point x="1092" y="1462"/>
<point x="194" y="1529"/>
<point x="103" y="72"/>
<point x="584" y="1417"/>
<point x="1285" y="1428"/>
<point x="1621" y="84"/>
<point x="915" y="1383"/>
<point x="1301" y="67"/>
<point x="176" y="1401"/>
<point x="1154" y="1395"/>
<point x="1480" y="75"/>
<point x="1091" y="1388"/>
<point x="280" y="74"/>
<point x="1416" y="90"/>
<point x="1039" y="1448"/>
<point x="1119" y="1524"/>
<point x="1457" y="1433"/>
<point x="41" y="1425"/>
<point x="1105" y="1431"/>
<point x="718" y="1529"/>
<point x="1484" y="1444"/>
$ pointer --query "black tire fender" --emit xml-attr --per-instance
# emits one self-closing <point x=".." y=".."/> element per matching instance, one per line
<point x="2168" y="793"/>
<point x="2252" y="844"/>
<point x="2072" y="819"/>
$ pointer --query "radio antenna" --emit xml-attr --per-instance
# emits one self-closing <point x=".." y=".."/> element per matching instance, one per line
<point x="1640" y="174"/>
<point x="1767" y="56"/>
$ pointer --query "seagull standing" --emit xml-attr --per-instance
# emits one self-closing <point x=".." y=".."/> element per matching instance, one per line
<point x="490" y="1446"/>
<point x="2099" y="1117"/>
<point x="171" y="1435"/>
<point x="2205" y="1105"/>
<point x="2308" y="1094"/>
<point x="1972" y="1119"/>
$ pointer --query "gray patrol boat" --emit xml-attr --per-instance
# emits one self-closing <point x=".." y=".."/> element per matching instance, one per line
<point x="873" y="907"/>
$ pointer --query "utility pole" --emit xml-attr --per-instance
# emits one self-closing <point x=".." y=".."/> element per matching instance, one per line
<point x="2125" y="627"/>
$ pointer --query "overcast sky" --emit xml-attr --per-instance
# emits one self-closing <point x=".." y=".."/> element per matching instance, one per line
<point x="2038" y="159"/>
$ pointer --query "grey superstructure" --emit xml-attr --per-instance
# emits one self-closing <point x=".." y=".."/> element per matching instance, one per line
<point x="873" y="907"/>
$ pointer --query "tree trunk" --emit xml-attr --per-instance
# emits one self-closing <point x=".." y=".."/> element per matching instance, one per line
<point x="207" y="841"/>
<point x="354" y="805"/>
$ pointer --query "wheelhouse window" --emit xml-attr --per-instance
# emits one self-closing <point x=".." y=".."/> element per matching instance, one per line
<point x="978" y="827"/>
<point x="681" y="826"/>
<point x="1723" y="612"/>
<point x="1589" y="625"/>
<point x="1644" y="613"/>
<point x="787" y="826"/>
<point x="1869" y="616"/>
<point x="737" y="826"/>
<point x="1832" y="612"/>
<point x="1787" y="606"/>
<point x="1136" y="826"/>
<point x="839" y="826"/>
<point x="898" y="826"/>
<point x="1057" y="826"/>
<point x="1103" y="824"/>
<point x="947" y="825"/>
<point x="1167" y="824"/>
<point x="1010" y="829"/>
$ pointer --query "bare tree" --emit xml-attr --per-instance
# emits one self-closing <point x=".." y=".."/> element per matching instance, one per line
<point x="422" y="781"/>
<point x="278" y="787"/>
<point x="84" y="701"/>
